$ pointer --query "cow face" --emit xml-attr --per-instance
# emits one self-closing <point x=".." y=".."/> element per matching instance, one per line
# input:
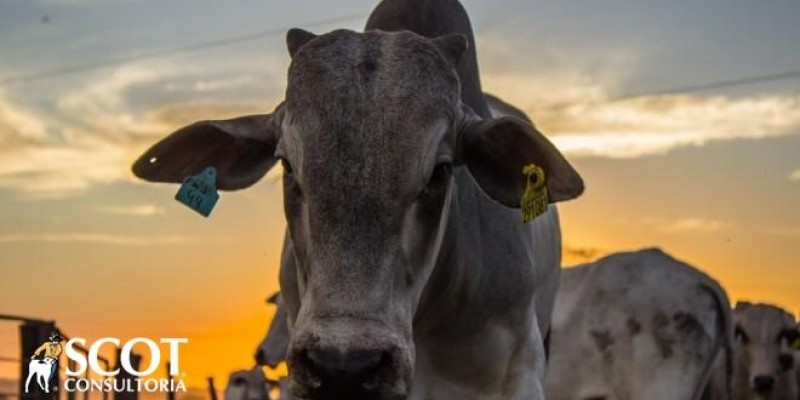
<point x="370" y="136"/>
<point x="247" y="385"/>
<point x="764" y="339"/>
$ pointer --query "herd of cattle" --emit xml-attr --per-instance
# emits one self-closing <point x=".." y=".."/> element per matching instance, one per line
<point x="407" y="271"/>
<point x="639" y="325"/>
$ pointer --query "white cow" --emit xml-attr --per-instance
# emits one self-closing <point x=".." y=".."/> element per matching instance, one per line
<point x="272" y="349"/>
<point x="765" y="363"/>
<point x="41" y="369"/>
<point x="637" y="326"/>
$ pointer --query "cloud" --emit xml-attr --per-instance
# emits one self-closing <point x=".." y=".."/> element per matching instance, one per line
<point x="212" y="85"/>
<point x="659" y="124"/>
<point x="140" y="210"/>
<point x="685" y="225"/>
<point x="582" y="119"/>
<point x="97" y="238"/>
<point x="87" y="140"/>
<point x="99" y="127"/>
<point x="584" y="115"/>
<point x="104" y="105"/>
<point x="19" y="123"/>
<point x="795" y="175"/>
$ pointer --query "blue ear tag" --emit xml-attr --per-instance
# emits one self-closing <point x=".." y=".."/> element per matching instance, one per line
<point x="199" y="192"/>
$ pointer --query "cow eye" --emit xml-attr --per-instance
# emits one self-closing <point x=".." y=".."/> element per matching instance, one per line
<point x="441" y="174"/>
<point x="437" y="184"/>
<point x="239" y="381"/>
<point x="741" y="336"/>
<point x="790" y="335"/>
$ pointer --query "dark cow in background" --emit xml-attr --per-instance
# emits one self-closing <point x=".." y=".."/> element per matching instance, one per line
<point x="247" y="385"/>
<point x="272" y="350"/>
<point x="797" y="360"/>
<point x="765" y="361"/>
<point x="407" y="272"/>
<point x="638" y="326"/>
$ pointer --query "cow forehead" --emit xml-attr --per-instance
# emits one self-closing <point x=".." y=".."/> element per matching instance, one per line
<point x="367" y="111"/>
<point x="394" y="68"/>
<point x="763" y="321"/>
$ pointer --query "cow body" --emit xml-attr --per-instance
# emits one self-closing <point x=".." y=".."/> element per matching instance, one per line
<point x="638" y="325"/>
<point x="765" y="367"/>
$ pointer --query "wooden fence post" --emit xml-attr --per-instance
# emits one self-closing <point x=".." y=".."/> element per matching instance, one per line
<point x="212" y="391"/>
<point x="170" y="393"/>
<point x="72" y="365"/>
<point x="126" y="378"/>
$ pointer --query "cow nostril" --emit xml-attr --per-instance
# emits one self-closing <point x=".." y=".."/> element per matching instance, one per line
<point x="786" y="361"/>
<point x="763" y="383"/>
<point x="331" y="361"/>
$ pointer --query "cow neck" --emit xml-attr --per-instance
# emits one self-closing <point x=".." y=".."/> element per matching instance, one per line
<point x="448" y="291"/>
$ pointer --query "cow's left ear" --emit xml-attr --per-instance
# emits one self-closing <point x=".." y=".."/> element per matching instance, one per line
<point x="241" y="149"/>
<point x="495" y="150"/>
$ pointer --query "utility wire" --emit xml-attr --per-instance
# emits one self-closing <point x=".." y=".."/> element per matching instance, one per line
<point x="694" y="88"/>
<point x="717" y="85"/>
<point x="164" y="52"/>
<point x="270" y="32"/>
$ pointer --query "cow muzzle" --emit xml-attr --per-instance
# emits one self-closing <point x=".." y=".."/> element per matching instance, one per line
<point x="350" y="361"/>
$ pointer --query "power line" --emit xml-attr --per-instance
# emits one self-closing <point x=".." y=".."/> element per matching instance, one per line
<point x="695" y="88"/>
<point x="717" y="85"/>
<point x="164" y="52"/>
<point x="252" y="36"/>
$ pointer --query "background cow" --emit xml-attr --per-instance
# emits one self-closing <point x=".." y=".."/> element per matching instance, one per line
<point x="272" y="349"/>
<point x="407" y="271"/>
<point x="247" y="385"/>
<point x="797" y="361"/>
<point x="765" y="363"/>
<point x="635" y="326"/>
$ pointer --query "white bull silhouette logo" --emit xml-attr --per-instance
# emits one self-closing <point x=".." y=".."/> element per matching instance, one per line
<point x="41" y="368"/>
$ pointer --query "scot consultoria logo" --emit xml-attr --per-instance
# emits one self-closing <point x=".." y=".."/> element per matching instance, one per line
<point x="126" y="376"/>
<point x="44" y="363"/>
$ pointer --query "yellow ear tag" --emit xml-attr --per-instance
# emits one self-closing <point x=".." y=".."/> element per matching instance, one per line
<point x="534" y="200"/>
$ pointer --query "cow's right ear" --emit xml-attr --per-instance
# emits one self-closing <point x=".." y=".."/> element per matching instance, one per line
<point x="241" y="149"/>
<point x="296" y="38"/>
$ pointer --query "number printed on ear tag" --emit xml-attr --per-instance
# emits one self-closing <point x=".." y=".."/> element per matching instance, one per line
<point x="534" y="200"/>
<point x="199" y="192"/>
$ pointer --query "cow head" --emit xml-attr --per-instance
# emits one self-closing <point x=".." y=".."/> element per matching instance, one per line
<point x="247" y="385"/>
<point x="370" y="135"/>
<point x="272" y="349"/>
<point x="764" y="338"/>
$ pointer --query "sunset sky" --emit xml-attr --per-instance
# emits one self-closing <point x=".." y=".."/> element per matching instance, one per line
<point x="711" y="176"/>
